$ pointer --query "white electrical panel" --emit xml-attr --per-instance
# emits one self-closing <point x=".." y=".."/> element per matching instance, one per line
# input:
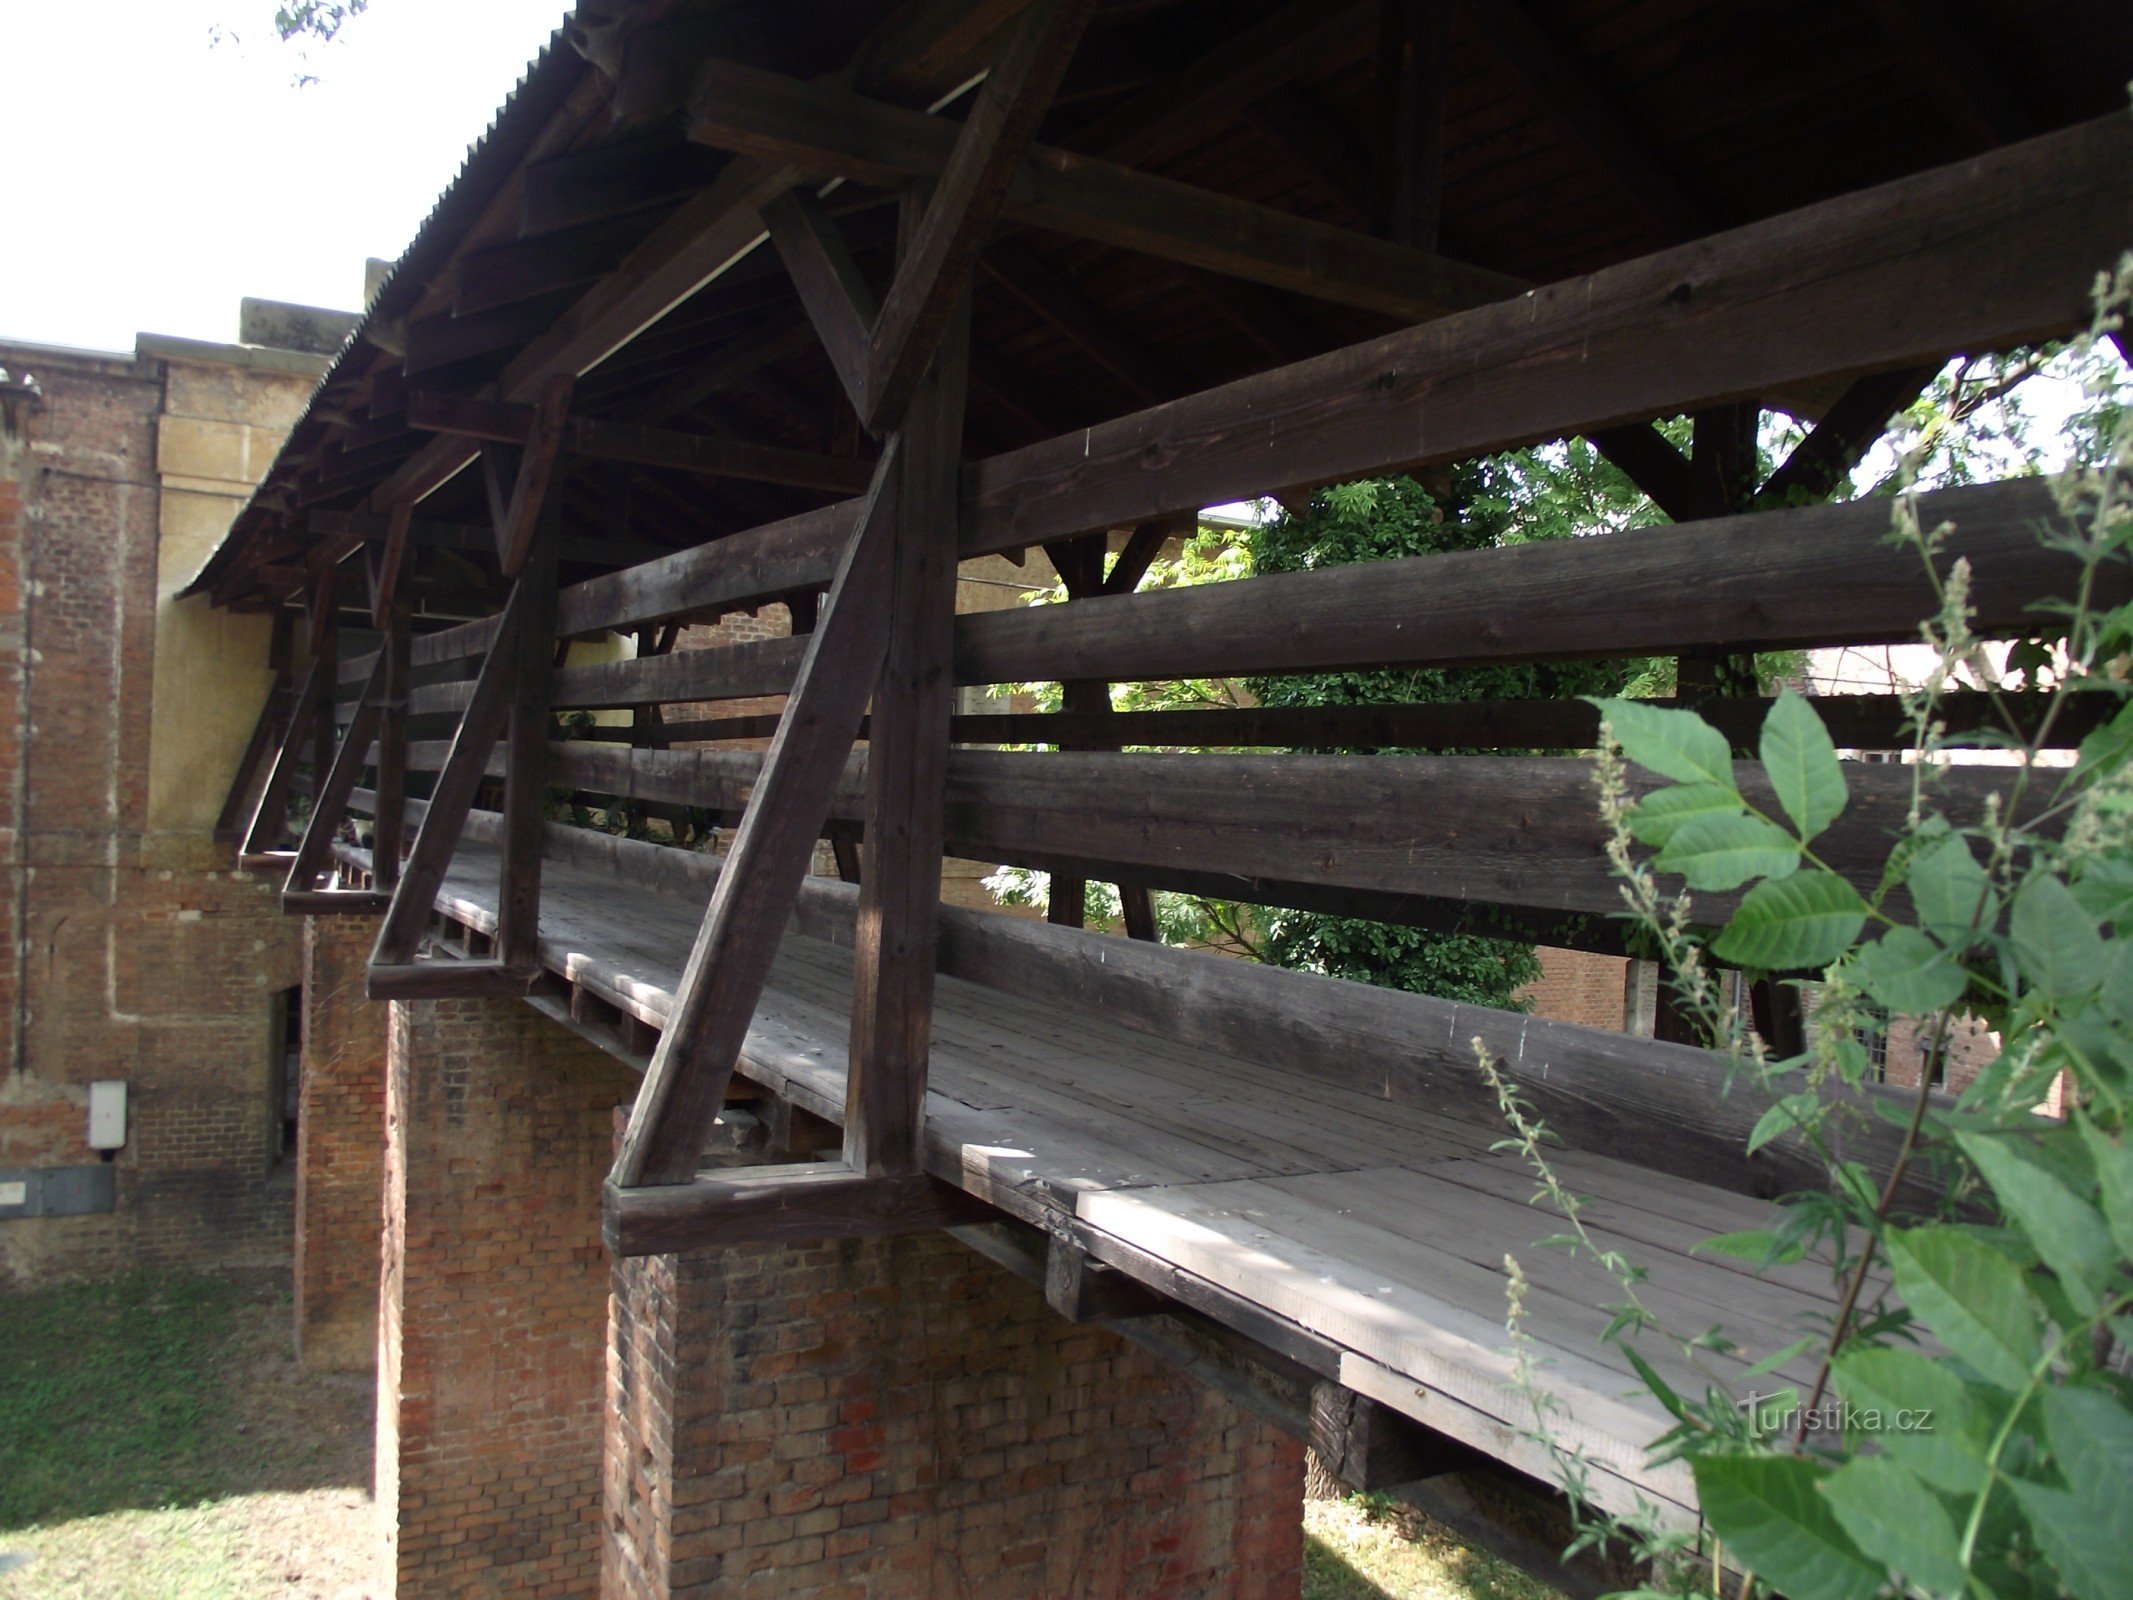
<point x="107" y="1114"/>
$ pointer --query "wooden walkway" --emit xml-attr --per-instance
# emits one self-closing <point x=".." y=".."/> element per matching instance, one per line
<point x="1380" y="1229"/>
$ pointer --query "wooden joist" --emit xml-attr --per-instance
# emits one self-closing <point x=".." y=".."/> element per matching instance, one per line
<point x="788" y="1204"/>
<point x="642" y="446"/>
<point x="1978" y="255"/>
<point x="825" y="129"/>
<point x="270" y="816"/>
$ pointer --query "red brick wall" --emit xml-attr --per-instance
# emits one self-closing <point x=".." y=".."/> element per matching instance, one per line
<point x="499" y="1125"/>
<point x="1579" y="986"/>
<point x="881" y="1419"/>
<point x="123" y="954"/>
<point x="340" y="1149"/>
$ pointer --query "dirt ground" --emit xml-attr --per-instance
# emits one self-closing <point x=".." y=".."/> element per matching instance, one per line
<point x="270" y="1502"/>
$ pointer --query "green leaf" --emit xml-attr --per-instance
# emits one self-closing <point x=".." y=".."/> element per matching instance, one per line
<point x="1950" y="892"/>
<point x="1718" y="852"/>
<point x="2118" y="979"/>
<point x="1768" y="1510"/>
<point x="2106" y="890"/>
<point x="1654" y="819"/>
<point x="1760" y="1245"/>
<point x="1914" y="1409"/>
<point x="1971" y="1297"/>
<point x="1804" y="921"/>
<point x="1908" y="973"/>
<point x="2091" y="1435"/>
<point x="2065" y="1228"/>
<point x="2056" y="944"/>
<point x="1675" y="744"/>
<point x="2094" y="1555"/>
<point x="1897" y="1520"/>
<point x="1801" y="763"/>
<point x="2113" y="1160"/>
<point x="1793" y="1112"/>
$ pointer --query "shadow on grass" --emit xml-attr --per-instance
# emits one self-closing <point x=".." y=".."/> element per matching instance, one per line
<point x="160" y="1391"/>
<point x="1329" y="1576"/>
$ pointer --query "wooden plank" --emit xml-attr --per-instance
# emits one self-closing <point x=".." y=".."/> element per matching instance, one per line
<point x="1705" y="586"/>
<point x="830" y="130"/>
<point x="840" y="303"/>
<point x="442" y="978"/>
<point x="933" y="272"/>
<point x="789" y="1204"/>
<point x="452" y="796"/>
<point x="333" y="902"/>
<point x="907" y="733"/>
<point x="651" y="447"/>
<point x="389" y="816"/>
<point x="1986" y="253"/>
<point x="731" y="956"/>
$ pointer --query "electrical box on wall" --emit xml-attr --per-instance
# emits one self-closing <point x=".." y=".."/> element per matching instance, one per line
<point x="107" y="1114"/>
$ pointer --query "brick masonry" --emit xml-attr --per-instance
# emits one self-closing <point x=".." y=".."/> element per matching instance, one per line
<point x="901" y="1419"/>
<point x="340" y="1150"/>
<point x="128" y="949"/>
<point x="1579" y="986"/>
<point x="499" y="1128"/>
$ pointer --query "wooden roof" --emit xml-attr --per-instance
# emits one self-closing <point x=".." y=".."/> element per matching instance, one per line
<point x="1575" y="135"/>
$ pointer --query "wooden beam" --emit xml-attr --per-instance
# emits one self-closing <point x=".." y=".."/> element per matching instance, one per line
<point x="453" y="795"/>
<point x="1371" y="1447"/>
<point x="604" y="181"/>
<point x="1822" y="461"/>
<point x="392" y="559"/>
<point x="443" y="978"/>
<point x="1083" y="1290"/>
<point x="787" y="1204"/>
<point x="730" y="960"/>
<point x="1989" y="252"/>
<point x="907" y="749"/>
<point x="529" y="729"/>
<point x="536" y="467"/>
<point x="643" y="446"/>
<point x="1650" y="462"/>
<point x="389" y="820"/>
<point x="271" y="815"/>
<point x="1414" y="46"/>
<point x="839" y="302"/>
<point x="315" y="854"/>
<point x="933" y="271"/>
<point x="833" y="131"/>
<point x="1062" y="305"/>
<point x="1937" y="45"/>
<point x="1702" y="586"/>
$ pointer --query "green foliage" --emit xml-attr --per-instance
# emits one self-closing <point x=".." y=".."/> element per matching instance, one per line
<point x="1997" y="1464"/>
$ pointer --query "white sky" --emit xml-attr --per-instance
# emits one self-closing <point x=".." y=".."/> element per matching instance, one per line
<point x="153" y="181"/>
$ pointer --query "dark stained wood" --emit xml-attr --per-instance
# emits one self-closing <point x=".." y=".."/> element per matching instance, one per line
<point x="528" y="732"/>
<point x="389" y="819"/>
<point x="315" y="854"/>
<point x="1822" y="461"/>
<point x="442" y="978"/>
<point x="907" y="733"/>
<point x="788" y="1204"/>
<point x="334" y="902"/>
<point x="1652" y="464"/>
<point x="1709" y="585"/>
<point x="608" y="180"/>
<point x="392" y="559"/>
<point x="1053" y="298"/>
<point x="1082" y="1290"/>
<point x="1414" y="45"/>
<point x="1983" y="253"/>
<point x="1938" y="45"/>
<point x="840" y="303"/>
<point x="831" y="130"/>
<point x="651" y="447"/>
<point x="675" y="1109"/>
<point x="536" y="468"/>
<point x="467" y="763"/>
<point x="1371" y="1447"/>
<point x="270" y="817"/>
<point x="933" y="270"/>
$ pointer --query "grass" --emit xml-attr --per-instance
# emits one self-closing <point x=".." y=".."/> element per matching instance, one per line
<point x="158" y="1441"/>
<point x="106" y="1394"/>
<point x="1365" y="1548"/>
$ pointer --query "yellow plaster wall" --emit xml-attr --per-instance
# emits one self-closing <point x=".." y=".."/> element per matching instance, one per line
<point x="221" y="427"/>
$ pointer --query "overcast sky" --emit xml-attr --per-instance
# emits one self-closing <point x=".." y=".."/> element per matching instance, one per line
<point x="155" y="179"/>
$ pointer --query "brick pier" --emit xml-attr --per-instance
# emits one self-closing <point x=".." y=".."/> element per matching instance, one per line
<point x="902" y="1418"/>
<point x="499" y="1127"/>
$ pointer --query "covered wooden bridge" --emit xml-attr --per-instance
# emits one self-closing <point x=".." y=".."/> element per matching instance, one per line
<point x="747" y="304"/>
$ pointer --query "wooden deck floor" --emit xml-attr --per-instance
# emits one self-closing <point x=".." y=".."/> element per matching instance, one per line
<point x="1381" y="1229"/>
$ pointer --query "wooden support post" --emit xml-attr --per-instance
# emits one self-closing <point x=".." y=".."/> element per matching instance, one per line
<point x="933" y="271"/>
<point x="391" y="559"/>
<point x="1083" y="1290"/>
<point x="329" y="803"/>
<point x="389" y="820"/>
<point x="839" y="303"/>
<point x="1415" y="40"/>
<point x="730" y="961"/>
<point x="271" y="815"/>
<point x="530" y="730"/>
<point x="465" y="765"/>
<point x="907" y="755"/>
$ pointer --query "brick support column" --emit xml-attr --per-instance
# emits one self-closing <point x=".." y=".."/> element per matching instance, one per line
<point x="493" y="1309"/>
<point x="903" y="1420"/>
<point x="340" y="1150"/>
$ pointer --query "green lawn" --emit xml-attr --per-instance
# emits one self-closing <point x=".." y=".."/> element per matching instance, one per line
<point x="1364" y="1548"/>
